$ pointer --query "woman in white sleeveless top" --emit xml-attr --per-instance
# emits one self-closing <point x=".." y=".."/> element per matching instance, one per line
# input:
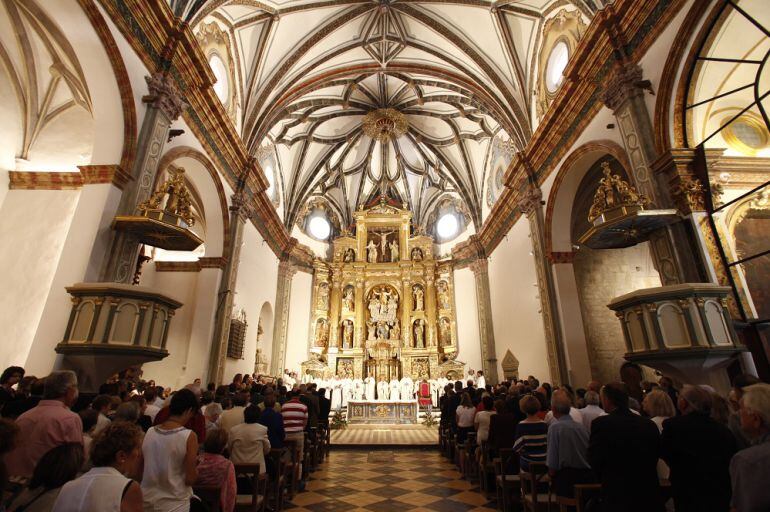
<point x="116" y="455"/>
<point x="170" y="458"/>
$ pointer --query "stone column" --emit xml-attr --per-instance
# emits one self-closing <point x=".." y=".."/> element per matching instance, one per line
<point x="671" y="246"/>
<point x="286" y="272"/>
<point x="480" y="268"/>
<point x="531" y="206"/>
<point x="164" y="106"/>
<point x="239" y="213"/>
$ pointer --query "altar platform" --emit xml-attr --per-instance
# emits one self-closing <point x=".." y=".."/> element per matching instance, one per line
<point x="385" y="435"/>
<point x="382" y="412"/>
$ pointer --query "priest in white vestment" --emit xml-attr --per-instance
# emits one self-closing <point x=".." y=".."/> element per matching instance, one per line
<point x="370" y="386"/>
<point x="435" y="388"/>
<point x="383" y="389"/>
<point x="395" y="390"/>
<point x="481" y="382"/>
<point x="336" y="387"/>
<point x="358" y="389"/>
<point x="407" y="388"/>
<point x="347" y="391"/>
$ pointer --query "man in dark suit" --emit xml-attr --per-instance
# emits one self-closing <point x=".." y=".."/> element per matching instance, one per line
<point x="623" y="452"/>
<point x="324" y="407"/>
<point x="698" y="451"/>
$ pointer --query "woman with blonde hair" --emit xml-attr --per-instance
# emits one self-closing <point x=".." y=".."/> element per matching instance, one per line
<point x="658" y="406"/>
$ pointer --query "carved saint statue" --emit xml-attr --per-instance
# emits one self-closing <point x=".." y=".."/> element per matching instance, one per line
<point x="395" y="331"/>
<point x="349" y="256"/>
<point x="370" y="328"/>
<point x="321" y="333"/>
<point x="443" y="295"/>
<point x="347" y="334"/>
<point x="393" y="251"/>
<point x="382" y="330"/>
<point x="416" y="254"/>
<point x="374" y="306"/>
<point x="445" y="332"/>
<point x="419" y="295"/>
<point x="347" y="299"/>
<point x="323" y="296"/>
<point x="419" y="334"/>
<point x="371" y="251"/>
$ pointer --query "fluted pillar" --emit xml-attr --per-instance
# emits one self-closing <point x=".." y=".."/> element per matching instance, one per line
<point x="164" y="106"/>
<point x="480" y="268"/>
<point x="286" y="272"/>
<point x="531" y="206"/>
<point x="406" y="311"/>
<point x="239" y="214"/>
<point x="360" y="326"/>
<point x="431" y="308"/>
<point x="335" y="301"/>
<point x="671" y="246"/>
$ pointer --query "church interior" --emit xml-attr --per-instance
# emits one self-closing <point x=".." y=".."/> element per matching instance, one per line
<point x="390" y="205"/>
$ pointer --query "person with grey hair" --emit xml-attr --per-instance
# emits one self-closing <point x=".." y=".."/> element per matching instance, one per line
<point x="698" y="450"/>
<point x="128" y="412"/>
<point x="592" y="410"/>
<point x="48" y="425"/>
<point x="750" y="467"/>
<point x="212" y="412"/>
<point x="567" y="454"/>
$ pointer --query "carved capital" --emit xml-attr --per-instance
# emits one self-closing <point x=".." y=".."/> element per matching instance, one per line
<point x="480" y="266"/>
<point x="689" y="194"/>
<point x="164" y="95"/>
<point x="530" y="201"/>
<point x="286" y="270"/>
<point x="626" y="83"/>
<point x="241" y="206"/>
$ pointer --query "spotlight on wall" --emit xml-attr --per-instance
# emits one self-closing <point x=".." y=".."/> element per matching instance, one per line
<point x="176" y="132"/>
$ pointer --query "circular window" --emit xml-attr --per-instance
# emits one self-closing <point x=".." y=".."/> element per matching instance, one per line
<point x="319" y="228"/>
<point x="746" y="134"/>
<point x="447" y="226"/>
<point x="557" y="62"/>
<point x="222" y="85"/>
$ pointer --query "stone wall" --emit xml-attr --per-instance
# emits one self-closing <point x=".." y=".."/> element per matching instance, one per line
<point x="602" y="275"/>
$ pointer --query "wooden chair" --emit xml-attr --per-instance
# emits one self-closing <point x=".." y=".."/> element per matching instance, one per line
<point x="254" y="502"/>
<point x="292" y="467"/>
<point x="470" y="469"/>
<point x="535" y="487"/>
<point x="486" y="468"/>
<point x="507" y="485"/>
<point x="210" y="495"/>
<point x="583" y="493"/>
<point x="277" y="485"/>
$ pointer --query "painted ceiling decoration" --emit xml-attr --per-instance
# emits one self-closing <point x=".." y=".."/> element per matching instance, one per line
<point x="394" y="98"/>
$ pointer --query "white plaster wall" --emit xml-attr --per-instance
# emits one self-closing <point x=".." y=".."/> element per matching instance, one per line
<point x="468" y="341"/>
<point x="95" y="209"/>
<point x="515" y="304"/>
<point x="33" y="228"/>
<point x="256" y="284"/>
<point x="170" y="372"/>
<point x="299" y="319"/>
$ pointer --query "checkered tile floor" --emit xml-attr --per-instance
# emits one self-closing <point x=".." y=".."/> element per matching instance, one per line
<point x="389" y="481"/>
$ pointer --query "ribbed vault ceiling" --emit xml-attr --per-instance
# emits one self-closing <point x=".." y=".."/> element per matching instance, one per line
<point x="309" y="71"/>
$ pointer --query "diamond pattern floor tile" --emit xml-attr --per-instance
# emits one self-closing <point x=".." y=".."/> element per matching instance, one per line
<point x="411" y="480"/>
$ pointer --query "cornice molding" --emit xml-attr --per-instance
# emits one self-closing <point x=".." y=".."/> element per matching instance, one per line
<point x="18" y="180"/>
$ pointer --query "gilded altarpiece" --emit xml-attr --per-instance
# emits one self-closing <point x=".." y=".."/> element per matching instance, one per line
<point x="383" y="307"/>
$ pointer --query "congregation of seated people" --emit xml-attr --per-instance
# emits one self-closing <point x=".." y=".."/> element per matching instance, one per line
<point x="612" y="447"/>
<point x="136" y="446"/>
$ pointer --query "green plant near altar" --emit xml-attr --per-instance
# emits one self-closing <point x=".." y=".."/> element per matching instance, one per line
<point x="338" y="421"/>
<point x="429" y="419"/>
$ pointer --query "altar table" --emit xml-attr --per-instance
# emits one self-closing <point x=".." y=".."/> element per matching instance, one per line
<point x="382" y="412"/>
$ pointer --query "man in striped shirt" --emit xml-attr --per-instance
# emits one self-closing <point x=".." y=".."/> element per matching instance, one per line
<point x="295" y="418"/>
